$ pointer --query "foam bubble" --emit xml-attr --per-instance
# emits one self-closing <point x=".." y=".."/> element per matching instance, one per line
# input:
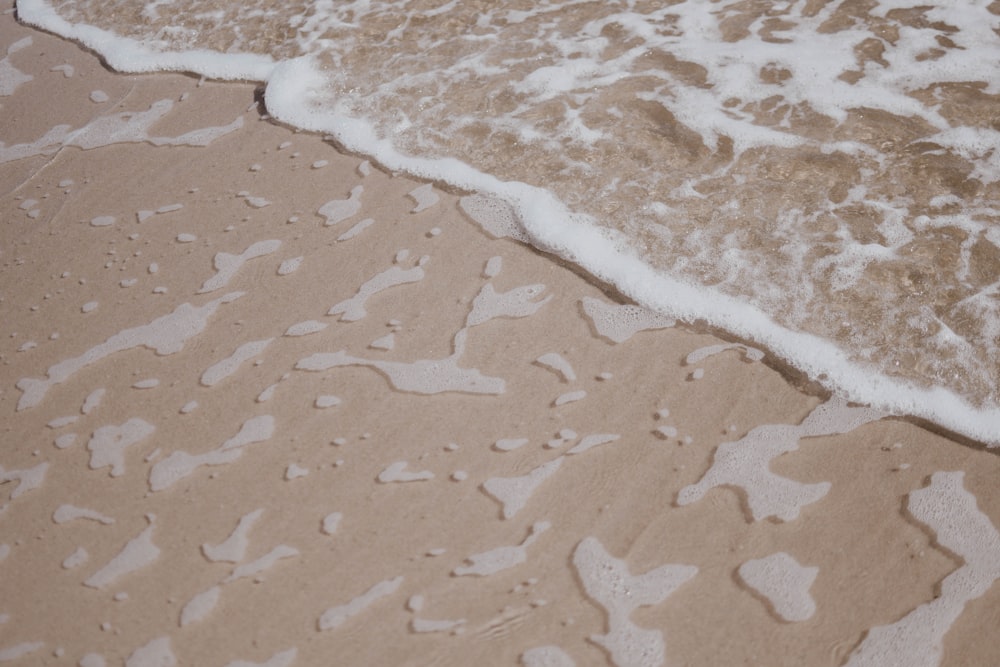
<point x="609" y="583"/>
<point x="397" y="472"/>
<point x="784" y="583"/>
<point x="157" y="653"/>
<point x="138" y="553"/>
<point x="502" y="558"/>
<point x="513" y="492"/>
<point x="334" y="617"/>
<point x="234" y="548"/>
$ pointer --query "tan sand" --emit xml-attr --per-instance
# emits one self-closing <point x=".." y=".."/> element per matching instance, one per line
<point x="876" y="562"/>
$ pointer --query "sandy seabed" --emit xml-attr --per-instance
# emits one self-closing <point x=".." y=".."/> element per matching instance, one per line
<point x="264" y="402"/>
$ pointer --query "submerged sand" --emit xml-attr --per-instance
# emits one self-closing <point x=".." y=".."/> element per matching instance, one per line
<point x="254" y="426"/>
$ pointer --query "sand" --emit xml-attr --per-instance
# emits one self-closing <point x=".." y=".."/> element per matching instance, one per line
<point x="367" y="503"/>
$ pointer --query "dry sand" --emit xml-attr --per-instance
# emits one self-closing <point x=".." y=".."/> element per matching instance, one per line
<point x="876" y="562"/>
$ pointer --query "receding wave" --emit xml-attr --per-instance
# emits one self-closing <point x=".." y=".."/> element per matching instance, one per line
<point x="833" y="166"/>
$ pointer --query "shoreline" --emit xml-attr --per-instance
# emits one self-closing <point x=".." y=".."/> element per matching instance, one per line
<point x="822" y="362"/>
<point x="340" y="517"/>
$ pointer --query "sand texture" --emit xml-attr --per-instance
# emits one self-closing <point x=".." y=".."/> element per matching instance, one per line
<point x="263" y="402"/>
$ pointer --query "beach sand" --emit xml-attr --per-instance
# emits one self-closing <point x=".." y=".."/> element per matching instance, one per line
<point x="361" y="510"/>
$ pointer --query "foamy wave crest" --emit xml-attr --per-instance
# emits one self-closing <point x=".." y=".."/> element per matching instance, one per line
<point x="821" y="178"/>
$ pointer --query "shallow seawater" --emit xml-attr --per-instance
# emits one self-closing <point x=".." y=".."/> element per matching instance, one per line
<point x="267" y="403"/>
<point x="832" y="166"/>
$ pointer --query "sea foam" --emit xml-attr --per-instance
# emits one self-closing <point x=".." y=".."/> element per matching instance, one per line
<point x="820" y="182"/>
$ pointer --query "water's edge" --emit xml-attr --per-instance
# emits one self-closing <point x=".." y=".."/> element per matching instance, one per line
<point x="549" y="224"/>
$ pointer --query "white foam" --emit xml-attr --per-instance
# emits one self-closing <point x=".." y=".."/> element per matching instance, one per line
<point x="234" y="548"/>
<point x="92" y="660"/>
<point x="493" y="267"/>
<point x="145" y="214"/>
<point x="254" y="202"/>
<point x="386" y="342"/>
<point x="126" y="55"/>
<point x="165" y="335"/>
<point x="281" y="659"/>
<point x="423" y="625"/>
<point x="305" y="328"/>
<point x="267" y="393"/>
<point x="784" y="583"/>
<point x="290" y="265"/>
<point x="702" y="353"/>
<point x="396" y="472"/>
<point x="66" y="513"/>
<point x="138" y="553"/>
<point x="75" y="559"/>
<point x="619" y="322"/>
<point x="513" y="492"/>
<point x="220" y="370"/>
<point x="356" y="229"/>
<point x="331" y="522"/>
<point x="426" y="376"/>
<point x="27" y="479"/>
<point x="299" y="91"/>
<point x="593" y="440"/>
<point x="569" y="397"/>
<point x="180" y="464"/>
<point x="338" y="210"/>
<point x="108" y="444"/>
<point x="546" y="656"/>
<point x="20" y="650"/>
<point x="495" y="217"/>
<point x="12" y="78"/>
<point x="518" y="302"/>
<point x="509" y="444"/>
<point x="115" y="128"/>
<point x="746" y="462"/>
<point x="93" y="400"/>
<point x="565" y="435"/>
<point x="334" y="617"/>
<point x="295" y="471"/>
<point x="353" y="309"/>
<point x="265" y="562"/>
<point x="59" y="422"/>
<point x="502" y="558"/>
<point x="254" y="430"/>
<point x="326" y="401"/>
<point x="200" y="606"/>
<point x="157" y="653"/>
<point x="916" y="640"/>
<point x="425" y="197"/>
<point x="609" y="583"/>
<point x="558" y="364"/>
<point x="227" y="264"/>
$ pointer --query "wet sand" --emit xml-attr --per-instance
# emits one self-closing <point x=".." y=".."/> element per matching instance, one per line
<point x="394" y="486"/>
